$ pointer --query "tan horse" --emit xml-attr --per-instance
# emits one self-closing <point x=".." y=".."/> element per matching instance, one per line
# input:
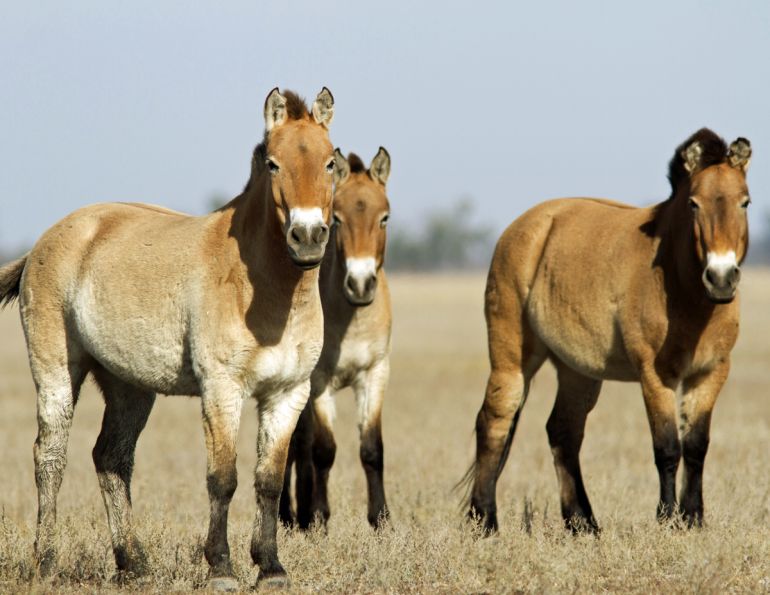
<point x="357" y="322"/>
<point x="224" y="306"/>
<point x="611" y="292"/>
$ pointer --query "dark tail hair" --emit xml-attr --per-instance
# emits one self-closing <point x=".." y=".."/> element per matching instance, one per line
<point x="466" y="482"/>
<point x="10" y="280"/>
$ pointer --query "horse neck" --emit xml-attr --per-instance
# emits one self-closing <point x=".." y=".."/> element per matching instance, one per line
<point x="262" y="245"/>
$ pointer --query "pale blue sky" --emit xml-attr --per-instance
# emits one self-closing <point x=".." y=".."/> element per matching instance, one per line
<point x="510" y="102"/>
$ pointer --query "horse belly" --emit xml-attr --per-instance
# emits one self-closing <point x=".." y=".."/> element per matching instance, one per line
<point x="590" y="344"/>
<point x="146" y="349"/>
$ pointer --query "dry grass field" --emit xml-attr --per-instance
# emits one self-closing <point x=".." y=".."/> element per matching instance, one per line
<point x="439" y="369"/>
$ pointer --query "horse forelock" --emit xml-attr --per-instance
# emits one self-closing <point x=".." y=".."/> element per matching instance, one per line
<point x="714" y="152"/>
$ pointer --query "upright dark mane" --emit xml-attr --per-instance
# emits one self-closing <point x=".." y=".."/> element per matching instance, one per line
<point x="296" y="109"/>
<point x="295" y="106"/>
<point x="355" y="163"/>
<point x="714" y="153"/>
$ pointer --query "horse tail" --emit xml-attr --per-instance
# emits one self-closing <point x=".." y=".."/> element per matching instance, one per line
<point x="10" y="280"/>
<point x="466" y="482"/>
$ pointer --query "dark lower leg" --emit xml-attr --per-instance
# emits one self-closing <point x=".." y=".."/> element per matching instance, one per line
<point x="694" y="448"/>
<point x="372" y="459"/>
<point x="221" y="483"/>
<point x="324" y="452"/>
<point x="302" y="442"/>
<point x="667" y="455"/>
<point x="113" y="457"/>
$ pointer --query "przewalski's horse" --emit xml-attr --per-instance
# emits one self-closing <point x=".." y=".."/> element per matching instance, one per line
<point x="357" y="322"/>
<point x="611" y="292"/>
<point x="224" y="306"/>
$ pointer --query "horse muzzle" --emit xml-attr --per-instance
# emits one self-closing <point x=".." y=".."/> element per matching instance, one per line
<point x="306" y="238"/>
<point x="721" y="276"/>
<point x="360" y="283"/>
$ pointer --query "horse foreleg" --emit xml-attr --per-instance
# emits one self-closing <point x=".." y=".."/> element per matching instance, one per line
<point x="370" y="392"/>
<point x="660" y="403"/>
<point x="278" y="417"/>
<point x="302" y="443"/>
<point x="699" y="394"/>
<point x="125" y="415"/>
<point x="221" y="419"/>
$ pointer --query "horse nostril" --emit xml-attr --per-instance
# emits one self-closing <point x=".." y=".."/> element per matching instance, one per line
<point x="371" y="283"/>
<point x="710" y="277"/>
<point x="321" y="233"/>
<point x="295" y="235"/>
<point x="351" y="284"/>
<point x="733" y="276"/>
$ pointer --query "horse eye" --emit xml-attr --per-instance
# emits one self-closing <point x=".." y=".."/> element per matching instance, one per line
<point x="330" y="167"/>
<point x="693" y="205"/>
<point x="272" y="166"/>
<point x="335" y="219"/>
<point x="384" y="221"/>
<point x="745" y="204"/>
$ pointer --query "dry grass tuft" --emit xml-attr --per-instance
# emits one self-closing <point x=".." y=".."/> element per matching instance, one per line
<point x="439" y="370"/>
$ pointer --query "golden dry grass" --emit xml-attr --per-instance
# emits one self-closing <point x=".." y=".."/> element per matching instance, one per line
<point x="439" y="368"/>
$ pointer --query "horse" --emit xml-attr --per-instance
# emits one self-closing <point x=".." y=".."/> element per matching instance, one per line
<point x="224" y="306"/>
<point x="356" y="350"/>
<point x="606" y="291"/>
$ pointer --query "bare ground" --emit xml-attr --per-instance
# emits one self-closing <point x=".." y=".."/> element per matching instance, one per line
<point x="439" y="369"/>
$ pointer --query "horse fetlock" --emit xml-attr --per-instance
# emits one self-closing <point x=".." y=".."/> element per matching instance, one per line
<point x="45" y="559"/>
<point x="580" y="523"/>
<point x="131" y="558"/>
<point x="484" y="517"/>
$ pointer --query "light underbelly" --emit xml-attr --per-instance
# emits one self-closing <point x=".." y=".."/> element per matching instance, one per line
<point x="590" y="344"/>
<point x="150" y="352"/>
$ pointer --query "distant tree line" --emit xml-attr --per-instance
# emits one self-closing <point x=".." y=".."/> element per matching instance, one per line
<point x="447" y="240"/>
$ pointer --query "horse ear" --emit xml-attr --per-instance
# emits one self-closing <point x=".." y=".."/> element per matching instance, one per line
<point x="275" y="110"/>
<point x="341" y="167"/>
<point x="691" y="156"/>
<point x="323" y="108"/>
<point x="379" y="170"/>
<point x="739" y="154"/>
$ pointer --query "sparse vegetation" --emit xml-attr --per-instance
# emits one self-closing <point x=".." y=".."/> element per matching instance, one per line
<point x="439" y="368"/>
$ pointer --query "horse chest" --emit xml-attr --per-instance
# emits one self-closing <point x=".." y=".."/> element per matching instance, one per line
<point x="284" y="365"/>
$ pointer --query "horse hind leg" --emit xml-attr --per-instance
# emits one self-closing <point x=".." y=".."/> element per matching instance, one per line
<point x="285" y="512"/>
<point x="125" y="415"/>
<point x="324" y="452"/>
<point x="515" y="356"/>
<point x="575" y="398"/>
<point x="58" y="386"/>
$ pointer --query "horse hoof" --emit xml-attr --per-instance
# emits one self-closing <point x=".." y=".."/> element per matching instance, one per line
<point x="223" y="583"/>
<point x="278" y="580"/>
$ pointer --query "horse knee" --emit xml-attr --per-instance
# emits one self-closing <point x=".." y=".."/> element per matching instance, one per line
<point x="667" y="457"/>
<point x="222" y="483"/>
<point x="371" y="454"/>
